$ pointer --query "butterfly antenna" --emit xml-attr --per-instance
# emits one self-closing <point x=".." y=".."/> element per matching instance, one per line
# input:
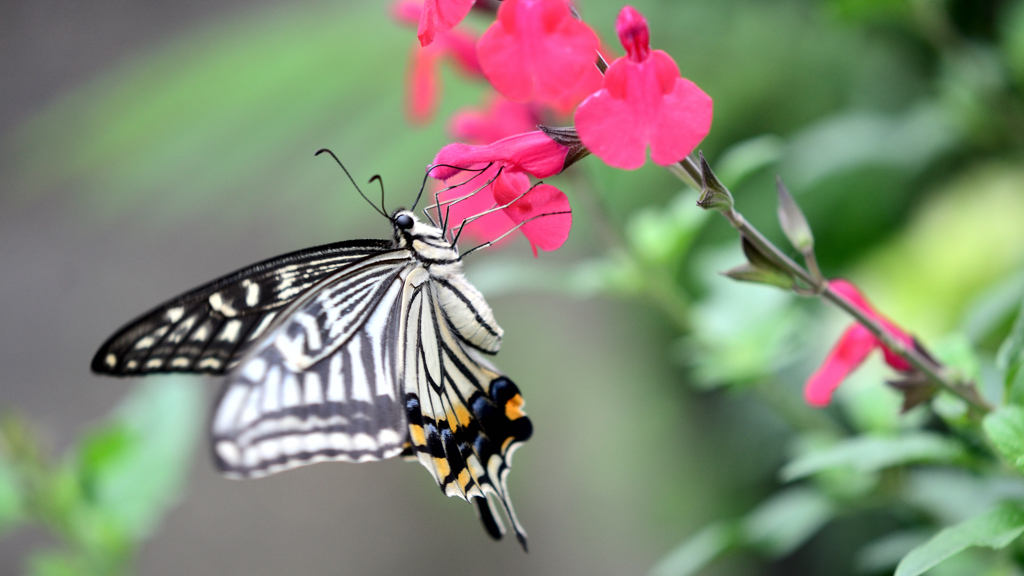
<point x="381" y="182"/>
<point x="350" y="179"/>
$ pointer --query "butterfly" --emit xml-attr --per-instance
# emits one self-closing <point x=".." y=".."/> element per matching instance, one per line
<point x="354" y="351"/>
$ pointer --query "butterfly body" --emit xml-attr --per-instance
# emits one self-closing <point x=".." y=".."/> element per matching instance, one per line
<point x="355" y="351"/>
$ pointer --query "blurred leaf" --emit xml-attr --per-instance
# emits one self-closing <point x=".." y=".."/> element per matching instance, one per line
<point x="954" y="495"/>
<point x="990" y="308"/>
<point x="1005" y="428"/>
<point x="1011" y="353"/>
<point x="741" y="332"/>
<point x="956" y="351"/>
<point x="995" y="529"/>
<point x="697" y="552"/>
<point x="965" y="238"/>
<point x="136" y="465"/>
<point x="11" y="496"/>
<point x="101" y="449"/>
<point x="874" y="453"/>
<point x="662" y="235"/>
<point x="872" y="10"/>
<point x="502" y="275"/>
<point x="1013" y="40"/>
<point x="853" y="140"/>
<point x="57" y="563"/>
<point x="883" y="554"/>
<point x="744" y="158"/>
<point x="786" y="520"/>
<point x="225" y="118"/>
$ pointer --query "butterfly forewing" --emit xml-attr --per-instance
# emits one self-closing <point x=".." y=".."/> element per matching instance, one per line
<point x="323" y="384"/>
<point x="209" y="328"/>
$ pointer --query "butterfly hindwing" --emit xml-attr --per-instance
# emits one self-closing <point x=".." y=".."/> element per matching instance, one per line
<point x="323" y="385"/>
<point x="209" y="328"/>
<point x="465" y="418"/>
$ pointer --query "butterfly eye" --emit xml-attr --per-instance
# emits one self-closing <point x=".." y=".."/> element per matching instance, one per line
<point x="403" y="221"/>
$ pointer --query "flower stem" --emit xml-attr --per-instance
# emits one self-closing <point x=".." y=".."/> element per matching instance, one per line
<point x="689" y="172"/>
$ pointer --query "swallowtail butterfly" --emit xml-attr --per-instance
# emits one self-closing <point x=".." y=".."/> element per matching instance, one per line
<point x="354" y="351"/>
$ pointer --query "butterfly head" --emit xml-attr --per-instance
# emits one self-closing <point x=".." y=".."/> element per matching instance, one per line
<point x="409" y="228"/>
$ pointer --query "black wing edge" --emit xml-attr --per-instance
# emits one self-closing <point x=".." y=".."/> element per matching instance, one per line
<point x="129" y="334"/>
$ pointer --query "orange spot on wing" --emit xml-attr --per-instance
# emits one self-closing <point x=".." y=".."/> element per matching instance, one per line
<point x="514" y="407"/>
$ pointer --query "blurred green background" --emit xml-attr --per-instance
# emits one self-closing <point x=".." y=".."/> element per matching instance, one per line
<point x="148" y="147"/>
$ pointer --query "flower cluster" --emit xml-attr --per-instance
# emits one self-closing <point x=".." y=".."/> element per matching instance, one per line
<point x="543" y="63"/>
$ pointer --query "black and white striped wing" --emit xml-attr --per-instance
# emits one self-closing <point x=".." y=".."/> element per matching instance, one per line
<point x="323" y="384"/>
<point x="465" y="417"/>
<point x="209" y="328"/>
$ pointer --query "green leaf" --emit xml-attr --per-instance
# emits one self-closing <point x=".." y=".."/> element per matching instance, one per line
<point x="883" y="554"/>
<point x="786" y="520"/>
<point x="134" y="467"/>
<point x="697" y="552"/>
<point x="1011" y="352"/>
<point x="873" y="453"/>
<point x="995" y="529"/>
<point x="1005" y="428"/>
<point x="11" y="497"/>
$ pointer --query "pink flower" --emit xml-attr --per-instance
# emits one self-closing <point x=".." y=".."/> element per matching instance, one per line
<point x="440" y="16"/>
<point x="853" y="348"/>
<point x="643" y="102"/>
<point x="532" y="152"/>
<point x="424" y="80"/>
<point x="536" y="50"/>
<point x="500" y="119"/>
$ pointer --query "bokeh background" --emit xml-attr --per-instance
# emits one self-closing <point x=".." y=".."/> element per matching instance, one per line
<point x="146" y="147"/>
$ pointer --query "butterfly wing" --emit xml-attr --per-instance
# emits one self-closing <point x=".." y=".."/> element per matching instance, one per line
<point x="209" y="328"/>
<point x="323" y="383"/>
<point x="465" y="417"/>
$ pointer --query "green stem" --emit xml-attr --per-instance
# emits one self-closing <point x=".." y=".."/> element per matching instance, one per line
<point x="689" y="172"/>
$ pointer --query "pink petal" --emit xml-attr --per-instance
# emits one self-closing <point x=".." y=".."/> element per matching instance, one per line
<point x="546" y="213"/>
<point x="440" y="16"/>
<point x="461" y="46"/>
<point x="501" y="118"/>
<point x="587" y="85"/>
<point x="851" y="350"/>
<point x="631" y="26"/>
<point x="532" y="152"/>
<point x="682" y="121"/>
<point x="536" y="50"/>
<point x="407" y="11"/>
<point x="609" y="126"/>
<point x="422" y="94"/>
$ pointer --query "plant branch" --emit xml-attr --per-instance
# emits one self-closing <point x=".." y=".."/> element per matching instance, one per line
<point x="689" y="172"/>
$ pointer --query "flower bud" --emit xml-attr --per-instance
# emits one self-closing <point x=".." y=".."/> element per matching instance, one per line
<point x="713" y="195"/>
<point x="793" y="222"/>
